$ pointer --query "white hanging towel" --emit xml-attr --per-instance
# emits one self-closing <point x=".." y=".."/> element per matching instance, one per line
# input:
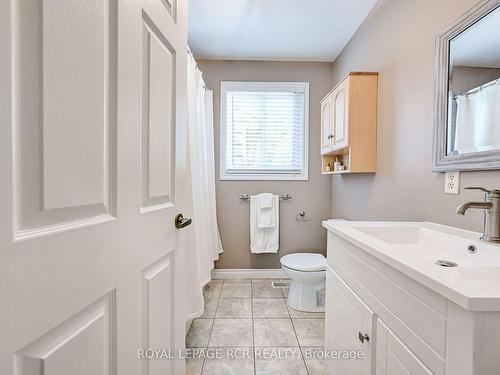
<point x="264" y="223"/>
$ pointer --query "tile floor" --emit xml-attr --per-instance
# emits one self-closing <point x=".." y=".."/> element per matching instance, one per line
<point x="250" y="318"/>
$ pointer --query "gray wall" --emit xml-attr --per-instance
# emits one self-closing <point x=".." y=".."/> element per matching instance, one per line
<point x="397" y="40"/>
<point x="314" y="196"/>
<point x="465" y="78"/>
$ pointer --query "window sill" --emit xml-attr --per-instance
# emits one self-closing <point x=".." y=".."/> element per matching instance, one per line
<point x="262" y="178"/>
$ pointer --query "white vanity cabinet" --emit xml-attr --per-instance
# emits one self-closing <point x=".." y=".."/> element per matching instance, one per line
<point x="350" y="326"/>
<point x="406" y="326"/>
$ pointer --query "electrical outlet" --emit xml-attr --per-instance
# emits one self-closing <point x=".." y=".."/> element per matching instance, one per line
<point x="452" y="182"/>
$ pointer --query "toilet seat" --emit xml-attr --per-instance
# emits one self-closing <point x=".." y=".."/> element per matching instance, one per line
<point x="304" y="262"/>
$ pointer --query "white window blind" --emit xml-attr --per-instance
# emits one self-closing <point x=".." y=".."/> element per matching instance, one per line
<point x="264" y="130"/>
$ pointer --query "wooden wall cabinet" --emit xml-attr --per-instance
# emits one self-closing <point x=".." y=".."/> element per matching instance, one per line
<point x="349" y="124"/>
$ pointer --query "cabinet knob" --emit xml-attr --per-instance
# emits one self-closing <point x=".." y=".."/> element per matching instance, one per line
<point x="363" y="337"/>
<point x="330" y="136"/>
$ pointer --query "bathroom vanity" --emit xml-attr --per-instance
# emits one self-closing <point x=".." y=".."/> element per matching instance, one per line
<point x="416" y="298"/>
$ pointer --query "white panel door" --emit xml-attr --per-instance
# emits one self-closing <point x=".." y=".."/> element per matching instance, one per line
<point x="349" y="325"/>
<point x="92" y="163"/>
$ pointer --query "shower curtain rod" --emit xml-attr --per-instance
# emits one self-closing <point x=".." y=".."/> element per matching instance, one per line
<point x="477" y="89"/>
<point x="197" y="67"/>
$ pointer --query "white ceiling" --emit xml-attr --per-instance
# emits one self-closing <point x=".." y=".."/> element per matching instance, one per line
<point x="479" y="45"/>
<point x="296" y="30"/>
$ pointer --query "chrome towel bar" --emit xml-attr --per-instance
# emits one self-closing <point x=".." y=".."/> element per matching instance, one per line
<point x="285" y="197"/>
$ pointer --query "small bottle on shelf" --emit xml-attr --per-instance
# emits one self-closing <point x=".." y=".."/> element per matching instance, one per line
<point x="337" y="165"/>
<point x="328" y="167"/>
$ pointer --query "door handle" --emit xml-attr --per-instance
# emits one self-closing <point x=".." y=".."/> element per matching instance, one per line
<point x="181" y="221"/>
<point x="363" y="337"/>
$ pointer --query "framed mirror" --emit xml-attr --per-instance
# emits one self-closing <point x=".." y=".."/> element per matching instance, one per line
<point x="467" y="93"/>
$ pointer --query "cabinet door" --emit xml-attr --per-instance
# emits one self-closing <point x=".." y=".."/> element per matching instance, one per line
<point x="326" y="125"/>
<point x="348" y="318"/>
<point x="393" y="357"/>
<point x="340" y="116"/>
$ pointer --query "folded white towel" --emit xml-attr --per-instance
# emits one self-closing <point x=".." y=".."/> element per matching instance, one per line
<point x="265" y="218"/>
<point x="264" y="239"/>
<point x="265" y="200"/>
<point x="265" y="212"/>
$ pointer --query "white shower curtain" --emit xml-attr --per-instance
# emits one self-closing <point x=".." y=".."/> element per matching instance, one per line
<point x="206" y="244"/>
<point x="478" y="120"/>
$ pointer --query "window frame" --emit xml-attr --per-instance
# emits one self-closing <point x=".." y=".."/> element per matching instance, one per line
<point x="226" y="86"/>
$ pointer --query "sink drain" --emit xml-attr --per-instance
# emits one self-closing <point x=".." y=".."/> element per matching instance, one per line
<point x="446" y="263"/>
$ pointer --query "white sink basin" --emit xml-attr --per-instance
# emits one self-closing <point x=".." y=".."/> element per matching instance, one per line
<point x="432" y="242"/>
<point x="415" y="247"/>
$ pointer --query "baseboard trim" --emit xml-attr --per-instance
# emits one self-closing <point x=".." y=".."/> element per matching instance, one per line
<point x="261" y="273"/>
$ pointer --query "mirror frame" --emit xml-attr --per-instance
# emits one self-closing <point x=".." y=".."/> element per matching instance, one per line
<point x="483" y="160"/>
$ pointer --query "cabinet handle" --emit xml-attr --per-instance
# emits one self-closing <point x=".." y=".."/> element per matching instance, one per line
<point x="330" y="136"/>
<point x="363" y="337"/>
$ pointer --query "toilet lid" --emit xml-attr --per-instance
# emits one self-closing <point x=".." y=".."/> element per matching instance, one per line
<point x="304" y="262"/>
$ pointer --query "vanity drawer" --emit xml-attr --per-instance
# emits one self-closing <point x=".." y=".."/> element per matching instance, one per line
<point x="412" y="311"/>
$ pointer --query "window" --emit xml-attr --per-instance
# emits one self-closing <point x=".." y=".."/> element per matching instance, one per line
<point x="264" y="130"/>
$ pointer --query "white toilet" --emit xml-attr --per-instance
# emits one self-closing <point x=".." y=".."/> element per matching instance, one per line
<point x="307" y="272"/>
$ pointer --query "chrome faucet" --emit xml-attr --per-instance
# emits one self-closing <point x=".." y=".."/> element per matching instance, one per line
<point x="491" y="207"/>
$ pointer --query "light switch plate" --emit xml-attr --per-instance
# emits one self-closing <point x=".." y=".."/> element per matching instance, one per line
<point x="452" y="183"/>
